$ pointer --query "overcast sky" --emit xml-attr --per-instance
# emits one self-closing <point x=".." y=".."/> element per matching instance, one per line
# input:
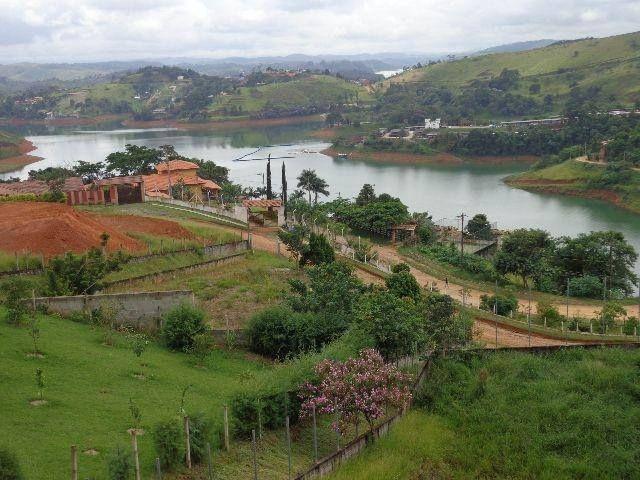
<point x="88" y="30"/>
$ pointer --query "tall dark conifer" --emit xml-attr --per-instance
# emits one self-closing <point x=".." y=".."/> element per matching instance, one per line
<point x="269" y="191"/>
<point x="284" y="189"/>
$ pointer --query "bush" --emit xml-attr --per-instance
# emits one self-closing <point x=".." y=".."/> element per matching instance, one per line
<point x="473" y="264"/>
<point x="400" y="267"/>
<point x="551" y="313"/>
<point x="403" y="284"/>
<point x="631" y="326"/>
<point x="9" y="466"/>
<point x="167" y="439"/>
<point x="181" y="325"/>
<point x="586" y="286"/>
<point x="279" y="332"/>
<point x="270" y="408"/>
<point x="504" y="304"/>
<point x="200" y="429"/>
<point x="16" y="290"/>
<point x="318" y="251"/>
<point x="119" y="465"/>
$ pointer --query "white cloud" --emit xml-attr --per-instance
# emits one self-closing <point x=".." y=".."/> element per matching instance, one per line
<point x="45" y="30"/>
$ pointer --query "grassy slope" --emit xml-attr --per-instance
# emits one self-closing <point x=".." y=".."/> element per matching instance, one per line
<point x="571" y="414"/>
<point x="9" y="145"/>
<point x="88" y="386"/>
<point x="233" y="291"/>
<point x="315" y="89"/>
<point x="611" y="63"/>
<point x="572" y="177"/>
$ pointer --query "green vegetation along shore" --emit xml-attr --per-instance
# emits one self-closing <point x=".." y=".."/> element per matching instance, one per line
<point x="582" y="179"/>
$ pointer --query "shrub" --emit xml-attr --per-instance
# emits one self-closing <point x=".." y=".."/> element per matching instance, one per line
<point x="279" y="332"/>
<point x="631" y="326"/>
<point x="181" y="325"/>
<point x="15" y="291"/>
<point x="470" y="263"/>
<point x="200" y="429"/>
<point x="400" y="267"/>
<point x="403" y="284"/>
<point x="72" y="274"/>
<point x="504" y="305"/>
<point x="551" y="313"/>
<point x="249" y="408"/>
<point x="202" y="346"/>
<point x="586" y="286"/>
<point x="9" y="466"/>
<point x="167" y="439"/>
<point x="318" y="251"/>
<point x="119" y="465"/>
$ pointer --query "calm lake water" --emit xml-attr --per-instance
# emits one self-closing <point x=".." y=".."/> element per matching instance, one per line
<point x="443" y="191"/>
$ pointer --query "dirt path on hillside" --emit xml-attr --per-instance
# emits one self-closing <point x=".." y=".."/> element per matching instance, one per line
<point x="472" y="296"/>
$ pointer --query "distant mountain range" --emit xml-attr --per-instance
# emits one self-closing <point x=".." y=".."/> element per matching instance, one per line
<point x="20" y="75"/>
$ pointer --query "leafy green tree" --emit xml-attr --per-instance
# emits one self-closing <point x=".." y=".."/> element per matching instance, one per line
<point x="135" y="160"/>
<point x="89" y="171"/>
<point x="499" y="304"/>
<point x="309" y="181"/>
<point x="119" y="464"/>
<point x="394" y="324"/>
<point x="15" y="290"/>
<point x="444" y="327"/>
<point x="367" y="195"/>
<point x="208" y="170"/>
<point x="404" y="285"/>
<point x="523" y="252"/>
<point x="294" y="239"/>
<point x="479" y="227"/>
<point x="230" y="191"/>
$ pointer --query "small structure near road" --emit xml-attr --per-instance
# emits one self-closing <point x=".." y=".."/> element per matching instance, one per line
<point x="403" y="232"/>
<point x="262" y="210"/>
<point x="114" y="191"/>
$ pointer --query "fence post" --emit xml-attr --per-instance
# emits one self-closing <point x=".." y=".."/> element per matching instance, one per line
<point x="289" y="445"/>
<point x="226" y="422"/>
<point x="187" y="442"/>
<point x="134" y="445"/>
<point x="209" y="463"/>
<point x="74" y="462"/>
<point x="337" y="433"/>
<point x="315" y="434"/>
<point x="158" y="470"/>
<point x="255" y="454"/>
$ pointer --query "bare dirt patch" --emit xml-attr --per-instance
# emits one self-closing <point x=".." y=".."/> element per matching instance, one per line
<point x="137" y="224"/>
<point x="37" y="403"/>
<point x="92" y="452"/>
<point x="53" y="228"/>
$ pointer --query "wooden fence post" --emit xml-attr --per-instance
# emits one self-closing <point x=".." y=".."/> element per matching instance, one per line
<point x="158" y="469"/>
<point x="74" y="462"/>
<point x="136" y="459"/>
<point x="315" y="434"/>
<point x="209" y="462"/>
<point x="289" y="445"/>
<point x="187" y="442"/>
<point x="226" y="423"/>
<point x="255" y="454"/>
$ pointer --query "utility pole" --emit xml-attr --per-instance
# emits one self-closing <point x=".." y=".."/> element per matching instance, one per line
<point x="461" y="217"/>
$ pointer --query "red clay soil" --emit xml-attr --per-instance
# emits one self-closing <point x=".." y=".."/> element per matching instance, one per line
<point x="53" y="228"/>
<point x="136" y="224"/>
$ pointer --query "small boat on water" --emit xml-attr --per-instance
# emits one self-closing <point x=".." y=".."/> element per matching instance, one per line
<point x="343" y="155"/>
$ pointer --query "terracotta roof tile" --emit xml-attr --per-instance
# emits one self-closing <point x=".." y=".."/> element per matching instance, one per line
<point x="262" y="203"/>
<point x="174" y="165"/>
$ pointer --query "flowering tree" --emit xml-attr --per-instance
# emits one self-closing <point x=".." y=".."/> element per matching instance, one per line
<point x="361" y="387"/>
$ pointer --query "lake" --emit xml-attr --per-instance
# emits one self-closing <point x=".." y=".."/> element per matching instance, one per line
<point x="443" y="191"/>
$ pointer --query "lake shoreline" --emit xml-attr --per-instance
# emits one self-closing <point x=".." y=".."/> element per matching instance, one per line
<point x="571" y="189"/>
<point x="220" y="124"/>
<point x="11" y="164"/>
<point x="440" y="158"/>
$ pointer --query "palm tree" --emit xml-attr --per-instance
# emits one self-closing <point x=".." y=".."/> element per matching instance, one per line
<point x="319" y="186"/>
<point x="306" y="181"/>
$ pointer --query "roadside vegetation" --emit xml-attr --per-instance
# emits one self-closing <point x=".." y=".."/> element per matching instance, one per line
<point x="515" y="415"/>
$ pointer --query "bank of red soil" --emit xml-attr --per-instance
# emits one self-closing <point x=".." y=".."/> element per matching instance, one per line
<point x="23" y="158"/>
<point x="146" y="225"/>
<point x="440" y="158"/>
<point x="52" y="228"/>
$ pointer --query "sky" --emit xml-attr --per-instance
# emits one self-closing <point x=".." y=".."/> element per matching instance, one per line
<point x="97" y="30"/>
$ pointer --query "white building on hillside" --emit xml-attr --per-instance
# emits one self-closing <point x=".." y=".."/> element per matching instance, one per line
<point x="431" y="124"/>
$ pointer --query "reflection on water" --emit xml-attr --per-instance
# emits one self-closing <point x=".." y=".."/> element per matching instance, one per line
<point x="443" y="191"/>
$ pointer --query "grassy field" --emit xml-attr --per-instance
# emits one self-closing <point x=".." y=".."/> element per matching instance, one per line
<point x="609" y="63"/>
<point x="231" y="292"/>
<point x="572" y="177"/>
<point x="570" y="414"/>
<point x="312" y="90"/>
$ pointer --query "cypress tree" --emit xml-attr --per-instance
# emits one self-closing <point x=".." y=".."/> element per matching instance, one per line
<point x="269" y="191"/>
<point x="284" y="189"/>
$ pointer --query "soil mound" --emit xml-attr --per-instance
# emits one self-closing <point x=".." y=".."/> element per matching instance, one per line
<point x="147" y="225"/>
<point x="53" y="228"/>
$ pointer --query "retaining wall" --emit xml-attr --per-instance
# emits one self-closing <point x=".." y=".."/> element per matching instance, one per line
<point x="140" y="310"/>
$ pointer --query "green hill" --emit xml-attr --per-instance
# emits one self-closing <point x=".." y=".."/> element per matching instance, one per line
<point x="309" y="94"/>
<point x="529" y="83"/>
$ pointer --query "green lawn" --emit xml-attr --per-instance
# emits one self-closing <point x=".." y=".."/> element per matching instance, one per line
<point x="565" y="415"/>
